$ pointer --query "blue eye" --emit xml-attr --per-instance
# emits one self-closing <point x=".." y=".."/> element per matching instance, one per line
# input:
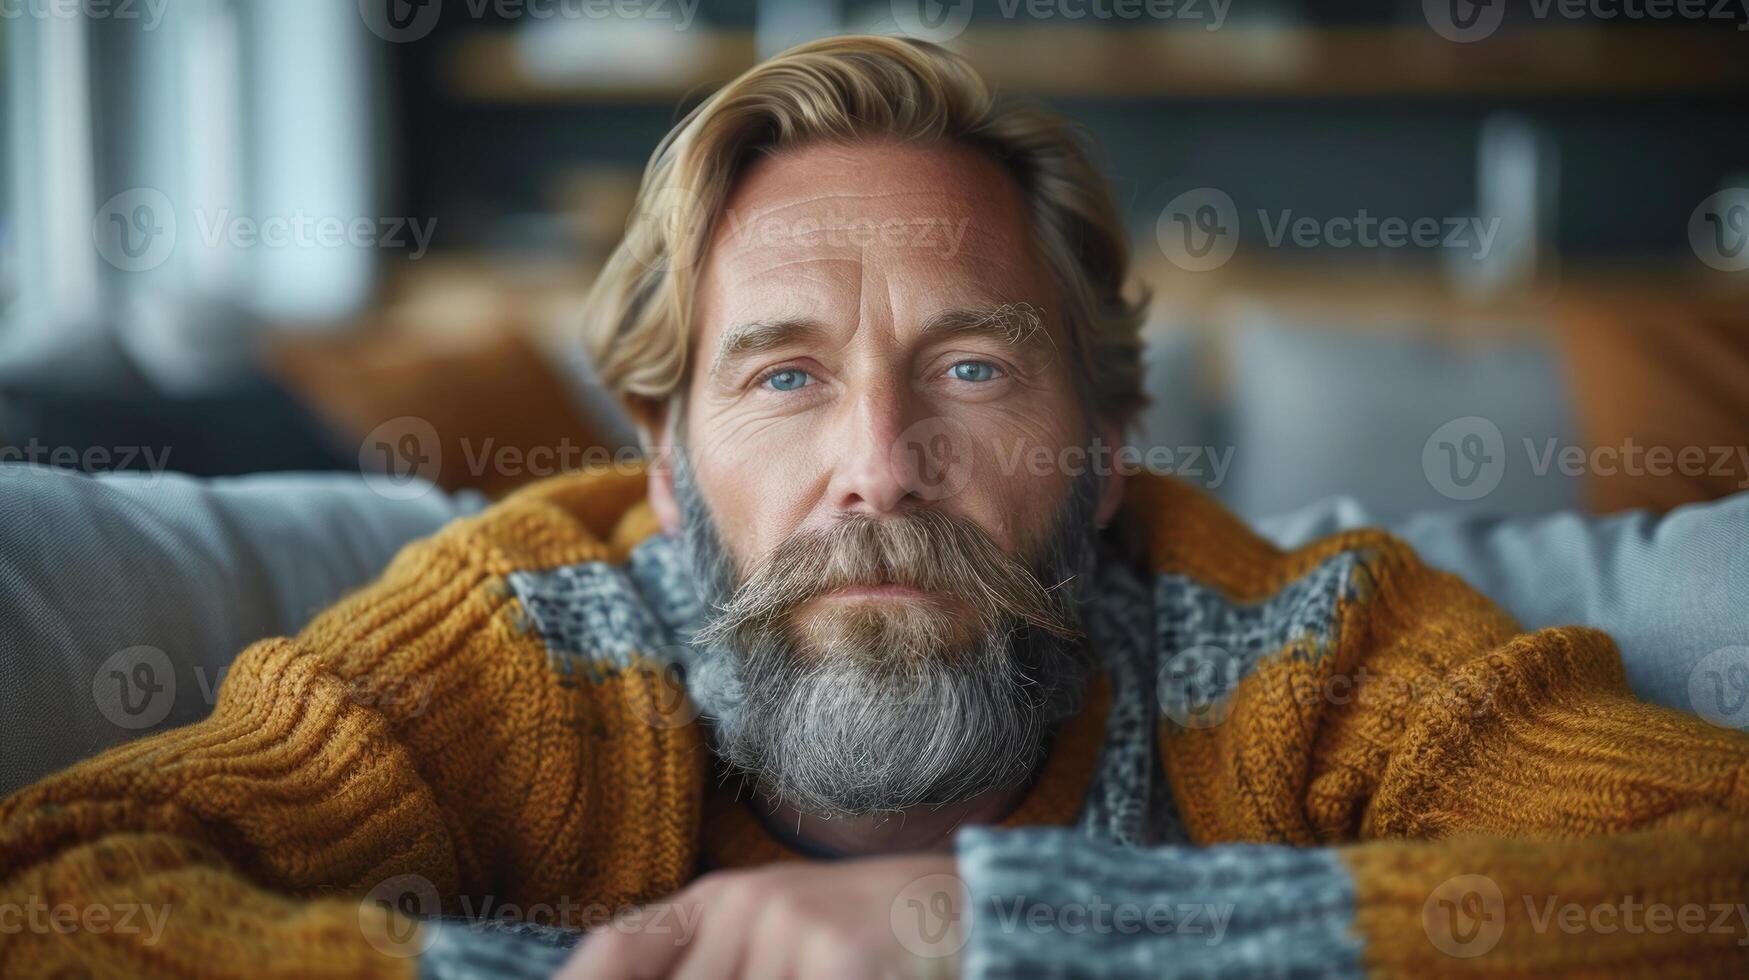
<point x="973" y="371"/>
<point x="788" y="379"/>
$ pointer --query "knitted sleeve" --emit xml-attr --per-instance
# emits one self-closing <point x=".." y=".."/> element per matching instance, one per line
<point x="410" y="753"/>
<point x="1397" y="784"/>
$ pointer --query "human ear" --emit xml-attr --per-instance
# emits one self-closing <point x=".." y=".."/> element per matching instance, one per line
<point x="658" y="434"/>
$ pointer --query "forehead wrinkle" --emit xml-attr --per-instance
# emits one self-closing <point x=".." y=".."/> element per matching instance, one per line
<point x="783" y="263"/>
<point x="828" y="196"/>
<point x="874" y="294"/>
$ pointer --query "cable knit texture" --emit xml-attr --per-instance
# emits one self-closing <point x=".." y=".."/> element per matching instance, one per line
<point x="1336" y="745"/>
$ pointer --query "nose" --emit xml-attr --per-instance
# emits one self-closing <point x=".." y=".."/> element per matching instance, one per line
<point x="872" y="473"/>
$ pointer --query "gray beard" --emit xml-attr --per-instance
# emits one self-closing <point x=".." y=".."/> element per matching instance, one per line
<point x="848" y="735"/>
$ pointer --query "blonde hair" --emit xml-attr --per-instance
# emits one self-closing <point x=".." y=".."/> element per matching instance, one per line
<point x="846" y="88"/>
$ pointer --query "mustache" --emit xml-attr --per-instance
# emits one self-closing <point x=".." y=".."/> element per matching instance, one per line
<point x="927" y="550"/>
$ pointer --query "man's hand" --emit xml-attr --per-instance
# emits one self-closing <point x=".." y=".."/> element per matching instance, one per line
<point x="879" y="918"/>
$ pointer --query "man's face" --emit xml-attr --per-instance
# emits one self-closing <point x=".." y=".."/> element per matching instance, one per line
<point x="877" y="355"/>
<point x="835" y="311"/>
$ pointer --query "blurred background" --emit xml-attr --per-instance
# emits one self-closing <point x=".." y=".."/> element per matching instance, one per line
<point x="1427" y="254"/>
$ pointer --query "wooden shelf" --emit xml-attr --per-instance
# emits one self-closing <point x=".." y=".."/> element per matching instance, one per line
<point x="490" y="68"/>
<point x="1232" y="63"/>
<point x="1356" y="62"/>
<point x="1420" y="296"/>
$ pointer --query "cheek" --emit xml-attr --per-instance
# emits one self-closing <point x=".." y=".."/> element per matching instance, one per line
<point x="1020" y="479"/>
<point x="757" y="488"/>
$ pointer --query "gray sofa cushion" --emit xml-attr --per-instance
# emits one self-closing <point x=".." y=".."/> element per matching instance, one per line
<point x="1670" y="589"/>
<point x="124" y="596"/>
<point x="1321" y="409"/>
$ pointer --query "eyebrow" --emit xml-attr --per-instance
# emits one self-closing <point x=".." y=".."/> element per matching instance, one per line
<point x="746" y="339"/>
<point x="1019" y="325"/>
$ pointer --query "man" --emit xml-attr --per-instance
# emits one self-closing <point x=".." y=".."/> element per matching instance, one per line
<point x="970" y="700"/>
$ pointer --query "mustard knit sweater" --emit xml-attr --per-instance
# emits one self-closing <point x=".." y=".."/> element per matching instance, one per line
<point x="1329" y="761"/>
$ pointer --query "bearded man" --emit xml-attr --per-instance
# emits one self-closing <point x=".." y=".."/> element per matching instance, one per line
<point x="846" y="684"/>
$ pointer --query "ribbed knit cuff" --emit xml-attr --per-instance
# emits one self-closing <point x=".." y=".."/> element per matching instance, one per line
<point x="459" y="949"/>
<point x="1050" y="902"/>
